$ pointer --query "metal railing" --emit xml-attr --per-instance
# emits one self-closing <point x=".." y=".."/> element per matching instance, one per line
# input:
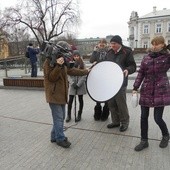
<point x="12" y="63"/>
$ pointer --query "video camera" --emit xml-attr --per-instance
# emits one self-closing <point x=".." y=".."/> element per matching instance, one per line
<point x="54" y="51"/>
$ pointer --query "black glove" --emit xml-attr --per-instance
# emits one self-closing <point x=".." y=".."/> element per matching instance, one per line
<point x="76" y="87"/>
<point x="74" y="84"/>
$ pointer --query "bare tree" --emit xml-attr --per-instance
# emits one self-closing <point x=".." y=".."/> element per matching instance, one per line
<point x="46" y="19"/>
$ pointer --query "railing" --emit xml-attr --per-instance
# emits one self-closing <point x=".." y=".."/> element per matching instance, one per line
<point x="13" y="66"/>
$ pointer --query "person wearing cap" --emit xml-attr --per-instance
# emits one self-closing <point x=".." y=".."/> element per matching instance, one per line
<point x="33" y="59"/>
<point x="123" y="56"/>
<point x="77" y="86"/>
<point x="98" y="55"/>
<point x="56" y="93"/>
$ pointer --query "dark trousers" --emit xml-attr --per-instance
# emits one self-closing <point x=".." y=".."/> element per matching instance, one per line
<point x="70" y="102"/>
<point x="118" y="107"/>
<point x="33" y="69"/>
<point x="158" y="113"/>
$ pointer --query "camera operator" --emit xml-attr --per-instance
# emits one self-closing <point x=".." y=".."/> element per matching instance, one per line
<point x="56" y="90"/>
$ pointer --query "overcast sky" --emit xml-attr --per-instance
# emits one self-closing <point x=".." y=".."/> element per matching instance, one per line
<point x="100" y="18"/>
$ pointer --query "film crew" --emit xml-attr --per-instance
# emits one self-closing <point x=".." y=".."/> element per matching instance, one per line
<point x="98" y="55"/>
<point x="155" y="90"/>
<point x="56" y="87"/>
<point x="77" y="87"/>
<point x="123" y="56"/>
<point x="33" y="58"/>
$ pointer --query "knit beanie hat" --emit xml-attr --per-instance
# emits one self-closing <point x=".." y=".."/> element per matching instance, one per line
<point x="76" y="52"/>
<point x="116" y="39"/>
<point x="30" y="44"/>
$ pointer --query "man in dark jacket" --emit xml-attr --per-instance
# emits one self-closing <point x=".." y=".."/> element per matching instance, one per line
<point x="122" y="56"/>
<point x="33" y="59"/>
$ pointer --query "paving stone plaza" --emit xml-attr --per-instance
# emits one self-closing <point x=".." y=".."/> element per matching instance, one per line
<point x="25" y="125"/>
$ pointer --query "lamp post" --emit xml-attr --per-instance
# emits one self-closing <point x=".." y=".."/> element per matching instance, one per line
<point x="136" y="43"/>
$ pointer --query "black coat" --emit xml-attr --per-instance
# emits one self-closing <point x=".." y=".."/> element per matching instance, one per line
<point x="124" y="58"/>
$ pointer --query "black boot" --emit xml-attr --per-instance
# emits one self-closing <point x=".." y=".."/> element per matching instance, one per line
<point x="105" y="113"/>
<point x="142" y="145"/>
<point x="69" y="109"/>
<point x="164" y="142"/>
<point x="97" y="111"/>
<point x="68" y="117"/>
<point x="79" y="116"/>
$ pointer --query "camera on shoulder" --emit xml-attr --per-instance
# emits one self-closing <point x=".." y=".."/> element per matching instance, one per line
<point x="54" y="51"/>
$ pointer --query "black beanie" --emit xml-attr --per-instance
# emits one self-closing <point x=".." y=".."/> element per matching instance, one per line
<point x="116" y="39"/>
<point x="30" y="44"/>
<point x="76" y="52"/>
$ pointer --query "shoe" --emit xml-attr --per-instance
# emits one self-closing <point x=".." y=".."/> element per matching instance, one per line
<point x="78" y="118"/>
<point x="68" y="118"/>
<point x="54" y="140"/>
<point x="65" y="143"/>
<point x="164" y="142"/>
<point x="142" y="145"/>
<point x="105" y="113"/>
<point x="111" y="125"/>
<point x="123" y="128"/>
<point x="97" y="112"/>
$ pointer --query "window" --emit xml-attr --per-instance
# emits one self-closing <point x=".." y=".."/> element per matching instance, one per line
<point x="158" y="28"/>
<point x="168" y="30"/>
<point x="146" y="29"/>
<point x="145" y="44"/>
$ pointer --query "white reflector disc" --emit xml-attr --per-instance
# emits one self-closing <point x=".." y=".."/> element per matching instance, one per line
<point x="104" y="81"/>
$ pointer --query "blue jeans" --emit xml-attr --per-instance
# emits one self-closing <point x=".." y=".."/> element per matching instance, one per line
<point x="58" y="115"/>
<point x="158" y="113"/>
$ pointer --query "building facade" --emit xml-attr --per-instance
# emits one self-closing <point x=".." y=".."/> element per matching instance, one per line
<point x="86" y="45"/>
<point x="4" y="50"/>
<point x="143" y="29"/>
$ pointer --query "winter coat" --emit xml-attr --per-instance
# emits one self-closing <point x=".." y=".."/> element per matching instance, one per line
<point x="78" y="80"/>
<point x="98" y="55"/>
<point x="32" y="54"/>
<point x="152" y="76"/>
<point x="56" y="81"/>
<point x="124" y="58"/>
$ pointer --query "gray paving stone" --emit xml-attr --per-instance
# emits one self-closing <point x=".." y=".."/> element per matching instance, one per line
<point x="25" y="125"/>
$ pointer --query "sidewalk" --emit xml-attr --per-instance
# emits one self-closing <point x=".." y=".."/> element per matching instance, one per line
<point x="25" y="124"/>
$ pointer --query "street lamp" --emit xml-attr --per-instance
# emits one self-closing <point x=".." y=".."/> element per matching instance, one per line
<point x="136" y="43"/>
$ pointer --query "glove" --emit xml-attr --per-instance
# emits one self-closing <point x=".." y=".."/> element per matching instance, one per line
<point x="76" y="87"/>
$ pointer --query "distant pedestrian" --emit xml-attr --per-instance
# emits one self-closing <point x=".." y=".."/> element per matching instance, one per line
<point x="155" y="90"/>
<point x="33" y="59"/>
<point x="99" y="55"/>
<point x="77" y="87"/>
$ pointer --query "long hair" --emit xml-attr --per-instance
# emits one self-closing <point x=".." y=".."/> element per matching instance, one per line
<point x="79" y="63"/>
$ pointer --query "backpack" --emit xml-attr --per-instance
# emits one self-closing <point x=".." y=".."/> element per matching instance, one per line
<point x="27" y="54"/>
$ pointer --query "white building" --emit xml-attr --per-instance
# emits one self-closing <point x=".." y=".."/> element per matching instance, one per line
<point x="143" y="29"/>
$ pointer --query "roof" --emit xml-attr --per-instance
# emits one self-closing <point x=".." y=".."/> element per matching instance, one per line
<point x="157" y="13"/>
